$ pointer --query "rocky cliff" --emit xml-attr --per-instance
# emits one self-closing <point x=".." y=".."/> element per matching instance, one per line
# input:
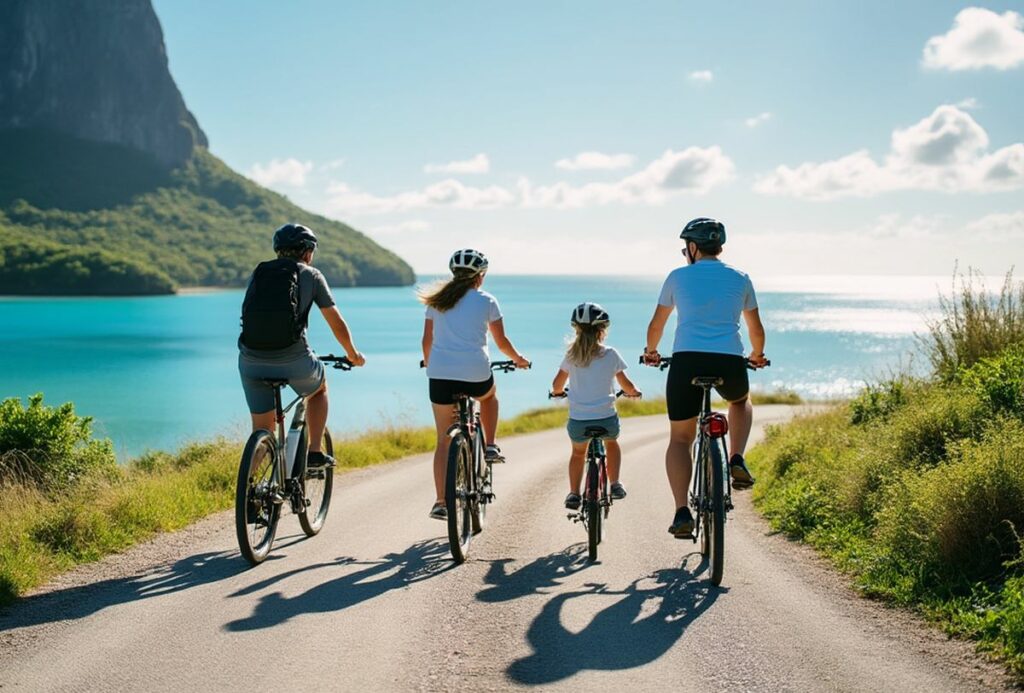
<point x="94" y="69"/>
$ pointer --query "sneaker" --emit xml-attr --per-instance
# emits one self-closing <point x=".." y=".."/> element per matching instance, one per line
<point x="318" y="460"/>
<point x="439" y="512"/>
<point x="572" y="501"/>
<point x="493" y="455"/>
<point x="741" y="476"/>
<point x="618" y="492"/>
<point x="682" y="524"/>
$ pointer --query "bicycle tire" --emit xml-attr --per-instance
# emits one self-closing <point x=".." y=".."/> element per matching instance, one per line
<point x="484" y="479"/>
<point x="254" y="508"/>
<point x="457" y="490"/>
<point x="317" y="488"/>
<point x="699" y="499"/>
<point x="716" y="527"/>
<point x="593" y="511"/>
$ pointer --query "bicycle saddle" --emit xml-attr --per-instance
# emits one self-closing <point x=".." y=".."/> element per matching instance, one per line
<point x="707" y="381"/>
<point x="595" y="431"/>
<point x="274" y="382"/>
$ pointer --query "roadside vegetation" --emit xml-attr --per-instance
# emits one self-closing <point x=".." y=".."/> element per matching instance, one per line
<point x="916" y="486"/>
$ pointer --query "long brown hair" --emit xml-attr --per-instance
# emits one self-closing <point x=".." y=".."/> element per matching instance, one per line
<point x="444" y="294"/>
<point x="587" y="345"/>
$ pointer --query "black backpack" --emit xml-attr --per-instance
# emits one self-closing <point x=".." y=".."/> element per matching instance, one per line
<point x="271" y="315"/>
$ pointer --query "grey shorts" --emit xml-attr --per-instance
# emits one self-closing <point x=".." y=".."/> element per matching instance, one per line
<point x="305" y="375"/>
<point x="576" y="428"/>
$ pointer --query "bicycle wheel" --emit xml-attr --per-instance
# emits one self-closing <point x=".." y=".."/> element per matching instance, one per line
<point x="698" y="499"/>
<point x="716" y="524"/>
<point x="256" y="510"/>
<point x="484" y="479"/>
<point x="457" y="500"/>
<point x="593" y="511"/>
<point x="317" y="486"/>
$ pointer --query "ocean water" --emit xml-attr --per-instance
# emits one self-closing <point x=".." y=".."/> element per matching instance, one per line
<point x="155" y="372"/>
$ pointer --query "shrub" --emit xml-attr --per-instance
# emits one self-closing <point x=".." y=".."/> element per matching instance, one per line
<point x="999" y="381"/>
<point x="50" y="446"/>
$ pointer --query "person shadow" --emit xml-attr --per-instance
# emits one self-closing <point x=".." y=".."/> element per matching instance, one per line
<point x="534" y="577"/>
<point x="421" y="561"/>
<point x="641" y="626"/>
<point x="82" y="601"/>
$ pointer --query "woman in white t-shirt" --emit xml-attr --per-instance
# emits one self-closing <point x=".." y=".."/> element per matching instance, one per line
<point x="458" y="318"/>
<point x="591" y="368"/>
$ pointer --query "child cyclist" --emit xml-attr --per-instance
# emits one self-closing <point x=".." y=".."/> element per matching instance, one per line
<point x="458" y="318"/>
<point x="591" y="368"/>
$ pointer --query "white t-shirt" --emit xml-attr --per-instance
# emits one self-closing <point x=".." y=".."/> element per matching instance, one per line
<point x="709" y="296"/>
<point x="459" y="349"/>
<point x="592" y="388"/>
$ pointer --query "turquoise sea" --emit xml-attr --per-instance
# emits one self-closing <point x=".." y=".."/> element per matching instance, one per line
<point x="156" y="372"/>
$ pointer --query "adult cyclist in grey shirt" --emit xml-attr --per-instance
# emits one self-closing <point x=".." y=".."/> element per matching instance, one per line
<point x="708" y="297"/>
<point x="295" y="361"/>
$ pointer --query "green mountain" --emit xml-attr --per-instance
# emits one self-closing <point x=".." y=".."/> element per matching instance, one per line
<point x="84" y="217"/>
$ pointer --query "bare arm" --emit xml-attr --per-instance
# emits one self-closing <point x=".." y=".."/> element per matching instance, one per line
<point x="558" y="384"/>
<point x="755" y="330"/>
<point x="626" y="384"/>
<point x="655" y="330"/>
<point x="341" y="332"/>
<point x="505" y="345"/>
<point x="428" y="339"/>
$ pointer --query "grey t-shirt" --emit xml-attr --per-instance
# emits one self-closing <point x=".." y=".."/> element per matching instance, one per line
<point x="312" y="289"/>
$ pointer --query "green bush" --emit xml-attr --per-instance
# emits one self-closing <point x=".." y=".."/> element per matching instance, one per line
<point x="999" y="381"/>
<point x="51" y="446"/>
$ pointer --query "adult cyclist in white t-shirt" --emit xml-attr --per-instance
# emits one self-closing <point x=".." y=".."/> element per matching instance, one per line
<point x="458" y="317"/>
<point x="709" y="297"/>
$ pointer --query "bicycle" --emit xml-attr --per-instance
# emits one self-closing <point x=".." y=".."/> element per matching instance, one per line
<point x="273" y="470"/>
<point x="469" y="478"/>
<point x="597" y="501"/>
<point x="710" y="496"/>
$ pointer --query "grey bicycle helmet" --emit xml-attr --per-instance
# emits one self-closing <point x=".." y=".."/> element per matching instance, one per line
<point x="704" y="231"/>
<point x="590" y="314"/>
<point x="468" y="259"/>
<point x="294" y="236"/>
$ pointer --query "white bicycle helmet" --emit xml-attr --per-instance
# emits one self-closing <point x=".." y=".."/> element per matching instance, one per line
<point x="590" y="314"/>
<point x="468" y="259"/>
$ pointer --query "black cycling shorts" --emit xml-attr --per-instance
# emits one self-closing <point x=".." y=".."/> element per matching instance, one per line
<point x="684" y="398"/>
<point x="444" y="391"/>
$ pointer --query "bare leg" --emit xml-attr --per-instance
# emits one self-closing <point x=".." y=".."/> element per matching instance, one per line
<point x="741" y="418"/>
<point x="489" y="415"/>
<point x="614" y="459"/>
<point x="576" y="460"/>
<point x="264" y="421"/>
<point x="679" y="459"/>
<point x="442" y="420"/>
<point x="316" y="417"/>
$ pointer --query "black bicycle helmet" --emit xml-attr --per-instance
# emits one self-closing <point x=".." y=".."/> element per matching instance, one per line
<point x="590" y="314"/>
<point x="704" y="231"/>
<point x="294" y="236"/>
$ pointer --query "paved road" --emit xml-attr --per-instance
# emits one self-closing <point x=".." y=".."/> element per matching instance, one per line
<point x="374" y="603"/>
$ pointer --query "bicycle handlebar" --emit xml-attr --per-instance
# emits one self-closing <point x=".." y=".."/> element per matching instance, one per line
<point x="340" y="362"/>
<point x="565" y="393"/>
<point x="503" y="366"/>
<point x="666" y="361"/>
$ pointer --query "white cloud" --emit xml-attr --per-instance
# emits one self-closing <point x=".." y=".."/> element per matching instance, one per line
<point x="412" y="226"/>
<point x="968" y="104"/>
<point x="332" y="165"/>
<point x="478" y="164"/>
<point x="997" y="227"/>
<point x="946" y="151"/>
<point x="290" y="172"/>
<point x="896" y="226"/>
<point x="342" y="199"/>
<point x="702" y="76"/>
<point x="587" y="161"/>
<point x="758" y="119"/>
<point x="979" y="38"/>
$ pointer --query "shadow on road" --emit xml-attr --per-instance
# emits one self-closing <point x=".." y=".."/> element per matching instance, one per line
<point x="638" y="628"/>
<point x="421" y="561"/>
<point x="84" y="600"/>
<point x="543" y="572"/>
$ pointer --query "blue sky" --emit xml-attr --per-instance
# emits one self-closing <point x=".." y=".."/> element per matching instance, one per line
<point x="869" y="137"/>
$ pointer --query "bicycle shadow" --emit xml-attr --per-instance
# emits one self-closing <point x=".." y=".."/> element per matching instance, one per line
<point x="541" y="573"/>
<point x="421" y="561"/>
<point x="82" y="601"/>
<point x="636" y="630"/>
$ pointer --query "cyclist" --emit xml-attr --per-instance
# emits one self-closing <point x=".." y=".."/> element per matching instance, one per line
<point x="458" y="318"/>
<point x="592" y="369"/>
<point x="273" y="345"/>
<point x="709" y="297"/>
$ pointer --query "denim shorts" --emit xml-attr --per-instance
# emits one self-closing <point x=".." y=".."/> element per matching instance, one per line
<point x="304" y="374"/>
<point x="576" y="427"/>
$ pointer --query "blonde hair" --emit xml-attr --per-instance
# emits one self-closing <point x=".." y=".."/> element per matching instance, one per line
<point x="587" y="345"/>
<point x="444" y="294"/>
